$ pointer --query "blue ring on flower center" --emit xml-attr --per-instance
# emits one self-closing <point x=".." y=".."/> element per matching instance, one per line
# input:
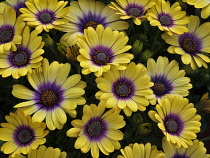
<point x="90" y="20"/>
<point x="173" y="124"/>
<point x="95" y="129"/>
<point x="19" y="5"/>
<point x="49" y="96"/>
<point x="24" y="135"/>
<point x="165" y="19"/>
<point x="162" y="85"/>
<point x="176" y="155"/>
<point x="20" y="58"/>
<point x="6" y="33"/>
<point x="46" y="16"/>
<point x="134" y="10"/>
<point x="101" y="55"/>
<point x="190" y="43"/>
<point x="123" y="88"/>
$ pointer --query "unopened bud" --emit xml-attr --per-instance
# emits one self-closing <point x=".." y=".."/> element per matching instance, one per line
<point x="145" y="128"/>
<point x="47" y="40"/>
<point x="137" y="118"/>
<point x="144" y="56"/>
<point x="137" y="47"/>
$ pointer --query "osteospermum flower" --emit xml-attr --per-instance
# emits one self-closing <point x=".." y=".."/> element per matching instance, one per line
<point x="195" y="150"/>
<point x="141" y="151"/>
<point x="204" y="4"/>
<point x="91" y="13"/>
<point x="10" y="30"/>
<point x="21" y="134"/>
<point x="45" y="15"/>
<point x="15" y="4"/>
<point x="44" y="152"/>
<point x="27" y="56"/>
<point x="177" y="119"/>
<point x="135" y="9"/>
<point x="101" y="48"/>
<point x="204" y="103"/>
<point x="97" y="130"/>
<point x="168" y="19"/>
<point x="55" y="94"/>
<point x="167" y="78"/>
<point x="127" y="89"/>
<point x="191" y="45"/>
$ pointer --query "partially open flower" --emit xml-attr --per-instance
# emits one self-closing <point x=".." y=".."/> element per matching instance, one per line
<point x="205" y="103"/>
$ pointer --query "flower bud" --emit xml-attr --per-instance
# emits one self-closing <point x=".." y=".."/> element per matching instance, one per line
<point x="145" y="128"/>
<point x="145" y="56"/>
<point x="47" y="40"/>
<point x="137" y="47"/>
<point x="204" y="103"/>
<point x="137" y="118"/>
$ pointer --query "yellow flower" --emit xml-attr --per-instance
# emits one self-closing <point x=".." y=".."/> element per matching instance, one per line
<point x="204" y="103"/>
<point x="127" y="89"/>
<point x="141" y="151"/>
<point x="177" y="119"/>
<point x="55" y="94"/>
<point x="135" y="9"/>
<point x="191" y="45"/>
<point x="27" y="56"/>
<point x="45" y="15"/>
<point x="169" y="19"/>
<point x="89" y="13"/>
<point x="44" y="152"/>
<point x="97" y="130"/>
<point x="10" y="30"/>
<point x="102" y="48"/>
<point x="21" y="134"/>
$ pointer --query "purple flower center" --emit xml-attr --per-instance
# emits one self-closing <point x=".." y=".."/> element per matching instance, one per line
<point x="49" y="98"/>
<point x="46" y="16"/>
<point x="6" y="34"/>
<point x="123" y="89"/>
<point x="24" y="136"/>
<point x="188" y="45"/>
<point x="101" y="58"/>
<point x="18" y="6"/>
<point x="20" y="58"/>
<point x="165" y="20"/>
<point x="134" y="12"/>
<point x="173" y="124"/>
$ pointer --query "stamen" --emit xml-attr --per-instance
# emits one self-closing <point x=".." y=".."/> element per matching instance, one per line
<point x="95" y="129"/>
<point x="123" y="89"/>
<point x="49" y="98"/>
<point x="159" y="89"/>
<point x="134" y="12"/>
<point x="188" y="45"/>
<point x="45" y="18"/>
<point x="20" y="58"/>
<point x="172" y="126"/>
<point x="101" y="58"/>
<point x="5" y="35"/>
<point x="24" y="136"/>
<point x="165" y="20"/>
<point x="91" y="24"/>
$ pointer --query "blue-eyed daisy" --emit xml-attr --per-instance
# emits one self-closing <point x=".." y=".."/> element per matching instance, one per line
<point x="167" y="78"/>
<point x="168" y="18"/>
<point x="45" y="15"/>
<point x="135" y="9"/>
<point x="102" y="48"/>
<point x="55" y="94"/>
<point x="127" y="89"/>
<point x="191" y="45"/>
<point x="177" y="119"/>
<point x="91" y="13"/>
<point x="21" y="133"/>
<point x="10" y="29"/>
<point x="27" y="56"/>
<point x="98" y="130"/>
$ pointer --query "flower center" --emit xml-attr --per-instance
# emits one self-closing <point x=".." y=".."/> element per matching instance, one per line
<point x="165" y="20"/>
<point x="134" y="12"/>
<point x="159" y="89"/>
<point x="45" y="18"/>
<point x="95" y="129"/>
<point x="172" y="126"/>
<point x="91" y="24"/>
<point x="6" y="35"/>
<point x="123" y="89"/>
<point x="49" y="98"/>
<point x="20" y="58"/>
<point x="188" y="45"/>
<point x="24" y="136"/>
<point x="101" y="58"/>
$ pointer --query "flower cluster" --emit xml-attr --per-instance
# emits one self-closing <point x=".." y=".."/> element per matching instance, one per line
<point x="104" y="78"/>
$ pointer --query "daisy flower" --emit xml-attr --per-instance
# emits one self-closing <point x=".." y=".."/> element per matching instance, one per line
<point x="135" y="9"/>
<point x="91" y="13"/>
<point x="191" y="45"/>
<point x="204" y="4"/>
<point x="101" y="48"/>
<point x="97" y="130"/>
<point x="127" y="89"/>
<point x="45" y="15"/>
<point x="204" y="103"/>
<point x="141" y="151"/>
<point x="55" y="94"/>
<point x="21" y="133"/>
<point x="195" y="150"/>
<point x="15" y="4"/>
<point x="177" y="119"/>
<point x="10" y="30"/>
<point x="27" y="56"/>
<point x="169" y="19"/>
<point x="167" y="78"/>
<point x="44" y="152"/>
